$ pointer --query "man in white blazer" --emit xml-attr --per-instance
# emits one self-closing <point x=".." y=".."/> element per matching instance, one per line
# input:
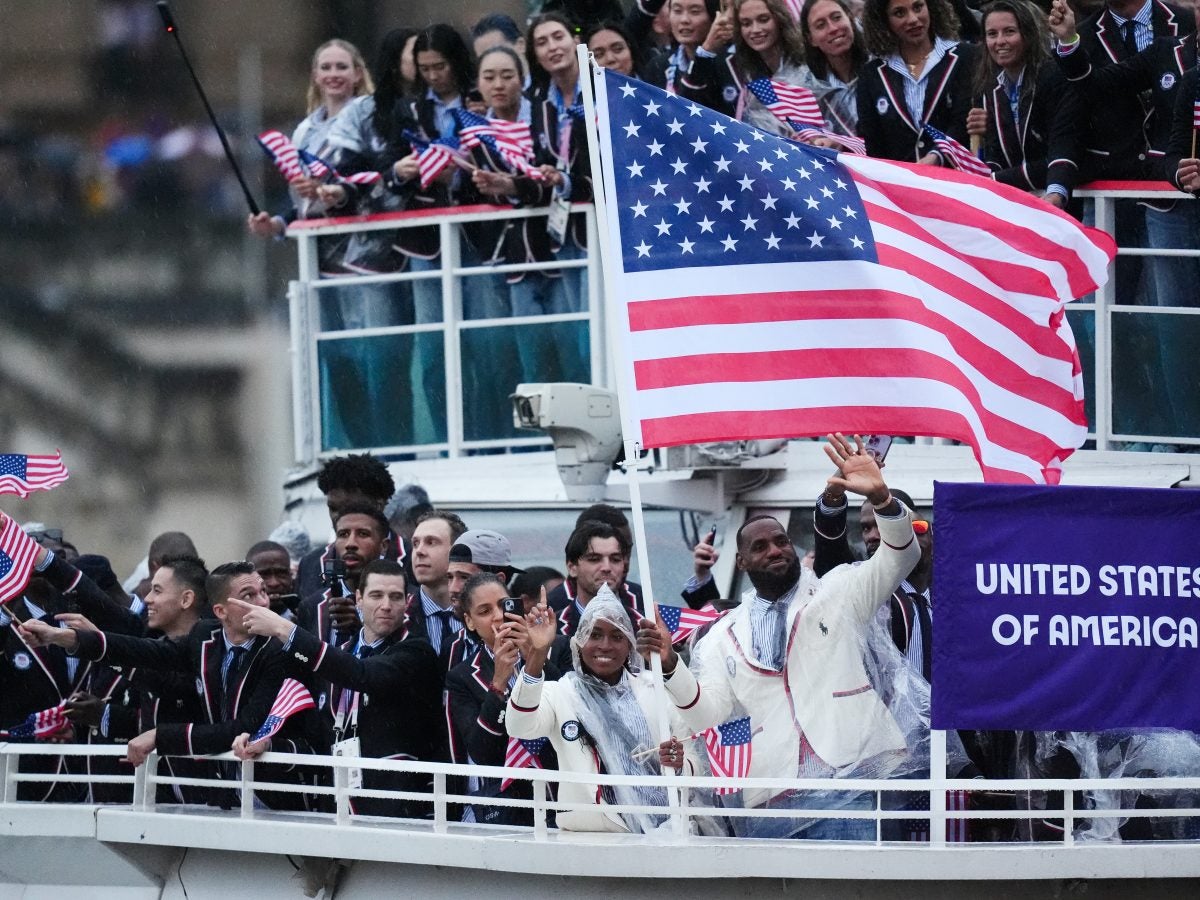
<point x="791" y="656"/>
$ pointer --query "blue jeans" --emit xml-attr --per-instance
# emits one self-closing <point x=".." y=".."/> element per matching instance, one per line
<point x="429" y="360"/>
<point x="361" y="376"/>
<point x="812" y="829"/>
<point x="1177" y="283"/>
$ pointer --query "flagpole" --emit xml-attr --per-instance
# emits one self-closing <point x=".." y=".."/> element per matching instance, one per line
<point x="595" y="93"/>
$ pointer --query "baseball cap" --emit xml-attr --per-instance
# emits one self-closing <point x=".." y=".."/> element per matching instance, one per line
<point x="481" y="547"/>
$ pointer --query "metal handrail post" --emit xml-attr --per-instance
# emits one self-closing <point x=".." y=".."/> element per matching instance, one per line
<point x="540" y="829"/>
<point x="247" y="811"/>
<point x="341" y="786"/>
<point x="8" y="766"/>
<point x="597" y="305"/>
<point x="1102" y="352"/>
<point x="439" y="803"/>
<point x="937" y="791"/>
<point x="451" y="353"/>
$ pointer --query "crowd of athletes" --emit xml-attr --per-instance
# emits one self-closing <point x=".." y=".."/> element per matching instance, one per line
<point x="418" y="638"/>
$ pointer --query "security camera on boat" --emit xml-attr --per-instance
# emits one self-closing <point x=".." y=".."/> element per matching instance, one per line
<point x="584" y="423"/>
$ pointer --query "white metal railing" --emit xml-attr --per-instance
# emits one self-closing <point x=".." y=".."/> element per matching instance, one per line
<point x="689" y="796"/>
<point x="308" y="337"/>
<point x="1106" y="303"/>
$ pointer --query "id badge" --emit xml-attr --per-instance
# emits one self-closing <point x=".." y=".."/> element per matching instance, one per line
<point x="349" y="748"/>
<point x="556" y="222"/>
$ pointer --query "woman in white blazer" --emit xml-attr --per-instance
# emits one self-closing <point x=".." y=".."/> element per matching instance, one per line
<point x="598" y="718"/>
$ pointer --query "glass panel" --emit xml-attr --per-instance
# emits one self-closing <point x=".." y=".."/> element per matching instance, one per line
<point x="1156" y="374"/>
<point x="382" y="391"/>
<point x="350" y="307"/>
<point x="1083" y="324"/>
<point x="495" y="360"/>
<point x="491" y="371"/>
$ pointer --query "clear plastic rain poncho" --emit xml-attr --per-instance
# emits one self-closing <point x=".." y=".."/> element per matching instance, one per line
<point x="1162" y="753"/>
<point x="902" y="690"/>
<point x="612" y="717"/>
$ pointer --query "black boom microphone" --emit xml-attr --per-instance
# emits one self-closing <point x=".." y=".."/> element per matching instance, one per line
<point x="164" y="10"/>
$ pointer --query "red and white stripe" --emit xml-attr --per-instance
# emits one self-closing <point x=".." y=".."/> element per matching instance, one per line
<point x="517" y="756"/>
<point x="727" y="762"/>
<point x="855" y="145"/>
<point x="23" y="551"/>
<point x="963" y="159"/>
<point x="293" y="697"/>
<point x="283" y="152"/>
<point x="958" y="331"/>
<point x="42" y="472"/>
<point x="796" y="105"/>
<point x="432" y="161"/>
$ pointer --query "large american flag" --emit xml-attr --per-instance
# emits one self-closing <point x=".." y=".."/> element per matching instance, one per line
<point x="522" y="754"/>
<point x="38" y="725"/>
<point x="17" y="554"/>
<point x="729" y="749"/>
<point x="681" y="622"/>
<point x="21" y="475"/>
<point x="293" y="697"/>
<point x="775" y="289"/>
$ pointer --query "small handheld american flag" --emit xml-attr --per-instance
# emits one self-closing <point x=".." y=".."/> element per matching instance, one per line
<point x="279" y="147"/>
<point x="682" y="622"/>
<point x="962" y="158"/>
<point x="522" y="754"/>
<point x="38" y="725"/>
<point x="510" y="141"/>
<point x="17" y="554"/>
<point x="797" y="108"/>
<point x="433" y="156"/>
<point x="21" y="475"/>
<point x="293" y="697"/>
<point x="321" y="169"/>
<point x="729" y="748"/>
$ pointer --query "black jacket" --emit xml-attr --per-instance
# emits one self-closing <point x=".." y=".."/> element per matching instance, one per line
<point x="1119" y="126"/>
<point x="1156" y="74"/>
<point x="832" y="549"/>
<point x="883" y="117"/>
<point x="398" y="694"/>
<point x="200" y="655"/>
<point x="475" y="717"/>
<point x="1045" y="148"/>
<point x="1179" y="146"/>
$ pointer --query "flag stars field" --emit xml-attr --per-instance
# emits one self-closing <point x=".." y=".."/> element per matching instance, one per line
<point x="738" y="194"/>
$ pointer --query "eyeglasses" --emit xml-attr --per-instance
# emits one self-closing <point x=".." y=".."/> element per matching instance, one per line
<point x="920" y="526"/>
<point x="53" y="534"/>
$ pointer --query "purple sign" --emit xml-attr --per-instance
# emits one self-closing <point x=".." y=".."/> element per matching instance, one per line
<point x="1065" y="608"/>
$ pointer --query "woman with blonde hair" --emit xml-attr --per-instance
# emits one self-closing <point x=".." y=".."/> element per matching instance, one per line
<point x="338" y="75"/>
